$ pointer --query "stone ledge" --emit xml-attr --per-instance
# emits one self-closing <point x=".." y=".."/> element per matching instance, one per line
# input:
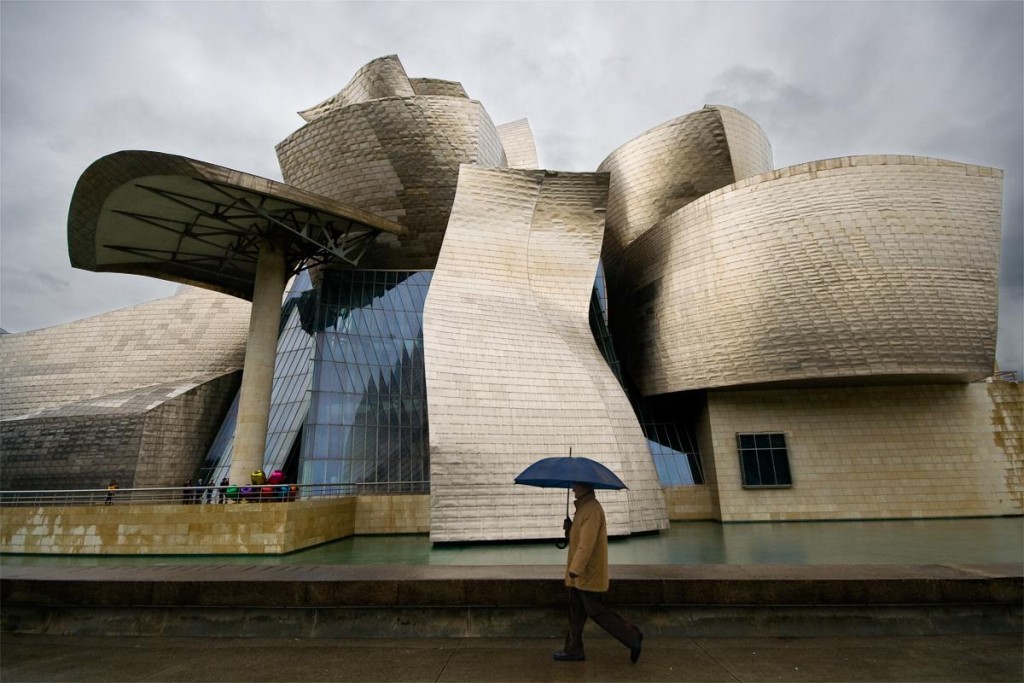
<point x="371" y="586"/>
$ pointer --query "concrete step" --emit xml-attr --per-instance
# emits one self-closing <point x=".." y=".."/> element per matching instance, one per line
<point x="528" y="601"/>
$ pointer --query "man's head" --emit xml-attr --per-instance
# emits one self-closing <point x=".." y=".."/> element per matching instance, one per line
<point x="580" y="490"/>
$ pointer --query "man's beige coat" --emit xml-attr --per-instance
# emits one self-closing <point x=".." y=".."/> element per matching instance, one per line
<point x="588" y="547"/>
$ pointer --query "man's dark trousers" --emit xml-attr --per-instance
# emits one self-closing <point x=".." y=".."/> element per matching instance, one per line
<point x="583" y="604"/>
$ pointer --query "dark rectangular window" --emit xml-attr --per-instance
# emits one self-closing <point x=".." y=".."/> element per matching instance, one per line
<point x="764" y="460"/>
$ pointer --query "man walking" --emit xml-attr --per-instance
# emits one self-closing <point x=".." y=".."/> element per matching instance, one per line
<point x="586" y="575"/>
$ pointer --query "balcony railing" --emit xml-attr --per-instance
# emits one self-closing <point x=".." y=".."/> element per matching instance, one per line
<point x="204" y="495"/>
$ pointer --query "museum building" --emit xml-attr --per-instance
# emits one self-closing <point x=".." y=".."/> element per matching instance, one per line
<point x="418" y="309"/>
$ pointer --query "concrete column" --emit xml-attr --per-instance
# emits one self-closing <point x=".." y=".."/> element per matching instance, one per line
<point x="258" y="373"/>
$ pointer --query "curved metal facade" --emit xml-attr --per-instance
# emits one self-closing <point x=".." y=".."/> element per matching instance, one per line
<point x="671" y="165"/>
<point x="513" y="373"/>
<point x="135" y="393"/>
<point x="396" y="156"/>
<point x="517" y="139"/>
<point x="380" y="78"/>
<point x="868" y="269"/>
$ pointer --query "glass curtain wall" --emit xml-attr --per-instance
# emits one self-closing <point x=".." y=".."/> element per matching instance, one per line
<point x="349" y="396"/>
<point x="367" y="421"/>
<point x="349" y="401"/>
<point x="289" y="398"/>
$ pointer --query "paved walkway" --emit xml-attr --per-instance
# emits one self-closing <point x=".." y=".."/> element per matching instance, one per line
<point x="224" y="660"/>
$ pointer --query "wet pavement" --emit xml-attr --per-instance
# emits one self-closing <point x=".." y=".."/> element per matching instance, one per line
<point x="929" y="600"/>
<point x="224" y="660"/>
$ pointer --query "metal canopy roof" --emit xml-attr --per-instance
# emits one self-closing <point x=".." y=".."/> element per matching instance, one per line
<point x="183" y="220"/>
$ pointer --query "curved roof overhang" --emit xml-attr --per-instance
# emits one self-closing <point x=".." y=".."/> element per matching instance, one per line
<point x="178" y="219"/>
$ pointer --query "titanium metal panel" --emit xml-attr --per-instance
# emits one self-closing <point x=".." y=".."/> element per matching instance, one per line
<point x="669" y="166"/>
<point x="397" y="157"/>
<point x="513" y="371"/>
<point x="872" y="269"/>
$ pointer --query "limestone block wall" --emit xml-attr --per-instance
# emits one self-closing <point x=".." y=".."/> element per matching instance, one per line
<point x="688" y="503"/>
<point x="179" y="529"/>
<point x="513" y="372"/>
<point x="395" y="153"/>
<point x="873" y="452"/>
<point x="256" y="528"/>
<point x="259" y="528"/>
<point x="669" y="166"/>
<point x="878" y="266"/>
<point x="395" y="514"/>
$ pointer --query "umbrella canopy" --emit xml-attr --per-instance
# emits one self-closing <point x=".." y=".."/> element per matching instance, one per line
<point x="563" y="472"/>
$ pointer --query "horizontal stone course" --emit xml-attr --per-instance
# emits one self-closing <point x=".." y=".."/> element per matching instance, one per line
<point x="251" y="528"/>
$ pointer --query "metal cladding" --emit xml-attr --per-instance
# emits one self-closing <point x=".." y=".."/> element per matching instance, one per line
<point x="862" y="269"/>
<point x="382" y="146"/>
<point x="135" y="393"/>
<point x="178" y="219"/>
<point x="517" y="139"/>
<point x="733" y="300"/>
<point x="671" y="165"/>
<point x="381" y="78"/>
<point x="513" y="374"/>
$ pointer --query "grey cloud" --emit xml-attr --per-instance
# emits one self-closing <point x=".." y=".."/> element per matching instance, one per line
<point x="222" y="82"/>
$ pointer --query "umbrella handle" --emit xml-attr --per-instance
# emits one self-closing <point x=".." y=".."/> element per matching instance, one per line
<point x="566" y="527"/>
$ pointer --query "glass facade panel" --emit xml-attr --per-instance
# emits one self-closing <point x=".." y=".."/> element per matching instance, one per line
<point x="366" y="420"/>
<point x="349" y="396"/>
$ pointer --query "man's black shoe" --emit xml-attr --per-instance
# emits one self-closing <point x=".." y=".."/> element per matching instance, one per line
<point x="634" y="652"/>
<point x="563" y="656"/>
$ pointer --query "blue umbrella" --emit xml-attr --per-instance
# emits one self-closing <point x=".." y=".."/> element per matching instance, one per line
<point x="562" y="473"/>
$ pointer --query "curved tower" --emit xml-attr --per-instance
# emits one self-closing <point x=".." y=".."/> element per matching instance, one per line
<point x="393" y="146"/>
<point x="861" y="269"/>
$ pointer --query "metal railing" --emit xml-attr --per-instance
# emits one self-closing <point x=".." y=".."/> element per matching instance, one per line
<point x="204" y="495"/>
<point x="1005" y="376"/>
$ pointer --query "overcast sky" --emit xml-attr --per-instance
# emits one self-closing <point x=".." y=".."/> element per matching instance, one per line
<point x="221" y="82"/>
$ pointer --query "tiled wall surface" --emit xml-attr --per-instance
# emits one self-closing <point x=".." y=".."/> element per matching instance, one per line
<point x="193" y="333"/>
<point x="83" y="401"/>
<point x="383" y="77"/>
<point x="513" y="372"/>
<point x="436" y="87"/>
<point x="517" y="139"/>
<point x="258" y="528"/>
<point x="843" y="268"/>
<point x="397" y="157"/>
<point x="177" y="529"/>
<point x="669" y="166"/>
<point x="154" y="436"/>
<point x="874" y="452"/>
<point x="177" y="434"/>
<point x="397" y="514"/>
<point x="749" y="147"/>
<point x="688" y="503"/>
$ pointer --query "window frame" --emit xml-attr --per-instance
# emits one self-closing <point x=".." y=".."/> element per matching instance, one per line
<point x="772" y="452"/>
